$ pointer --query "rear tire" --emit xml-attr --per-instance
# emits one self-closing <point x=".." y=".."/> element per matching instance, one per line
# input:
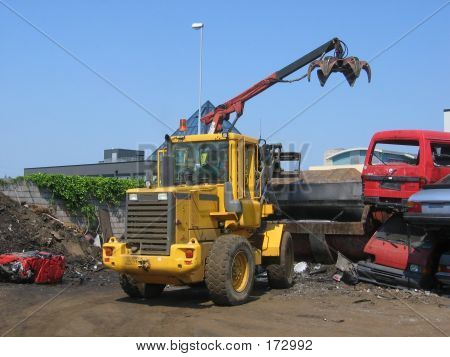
<point x="230" y="270"/>
<point x="136" y="290"/>
<point x="281" y="275"/>
<point x="152" y="291"/>
<point x="130" y="286"/>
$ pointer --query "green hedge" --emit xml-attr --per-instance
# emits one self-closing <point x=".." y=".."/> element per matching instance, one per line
<point x="8" y="181"/>
<point x="78" y="192"/>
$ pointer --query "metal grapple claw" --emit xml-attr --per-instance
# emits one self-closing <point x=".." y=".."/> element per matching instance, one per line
<point x="325" y="68"/>
<point x="350" y="66"/>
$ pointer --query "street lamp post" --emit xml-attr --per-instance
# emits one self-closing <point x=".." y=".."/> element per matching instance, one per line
<point x="199" y="26"/>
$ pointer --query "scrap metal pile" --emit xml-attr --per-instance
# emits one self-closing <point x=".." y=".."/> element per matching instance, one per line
<point x="34" y="247"/>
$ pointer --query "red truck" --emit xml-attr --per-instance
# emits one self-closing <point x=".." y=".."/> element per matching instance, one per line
<point x="398" y="164"/>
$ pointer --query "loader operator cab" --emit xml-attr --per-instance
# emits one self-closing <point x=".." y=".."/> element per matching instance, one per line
<point x="212" y="160"/>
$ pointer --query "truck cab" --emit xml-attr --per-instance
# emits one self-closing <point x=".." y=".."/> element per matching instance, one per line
<point x="400" y="162"/>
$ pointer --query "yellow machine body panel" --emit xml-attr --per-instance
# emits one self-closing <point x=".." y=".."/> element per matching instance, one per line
<point x="272" y="240"/>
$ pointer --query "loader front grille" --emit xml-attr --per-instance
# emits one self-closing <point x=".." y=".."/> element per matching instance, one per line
<point x="150" y="224"/>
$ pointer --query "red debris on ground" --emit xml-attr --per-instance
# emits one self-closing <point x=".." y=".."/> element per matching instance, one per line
<point x="29" y="267"/>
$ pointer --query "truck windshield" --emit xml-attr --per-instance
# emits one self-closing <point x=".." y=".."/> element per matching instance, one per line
<point x="200" y="163"/>
<point x="395" y="153"/>
<point x="396" y="230"/>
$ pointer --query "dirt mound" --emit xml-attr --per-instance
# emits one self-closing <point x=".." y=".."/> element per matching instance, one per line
<point x="321" y="176"/>
<point x="23" y="229"/>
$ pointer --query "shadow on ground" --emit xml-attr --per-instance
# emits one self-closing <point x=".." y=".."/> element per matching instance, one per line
<point x="193" y="297"/>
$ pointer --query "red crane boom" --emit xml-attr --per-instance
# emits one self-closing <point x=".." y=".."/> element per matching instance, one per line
<point x="350" y="66"/>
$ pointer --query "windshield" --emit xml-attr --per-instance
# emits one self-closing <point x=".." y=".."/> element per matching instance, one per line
<point x="395" y="153"/>
<point x="200" y="163"/>
<point x="396" y="230"/>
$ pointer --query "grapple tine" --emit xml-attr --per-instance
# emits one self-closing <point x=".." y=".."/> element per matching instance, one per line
<point x="351" y="77"/>
<point x="365" y="66"/>
<point x="351" y="68"/>
<point x="353" y="63"/>
<point x="326" y="67"/>
<point x="322" y="77"/>
<point x="312" y="66"/>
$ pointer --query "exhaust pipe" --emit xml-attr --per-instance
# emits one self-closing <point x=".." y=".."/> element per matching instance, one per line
<point x="168" y="165"/>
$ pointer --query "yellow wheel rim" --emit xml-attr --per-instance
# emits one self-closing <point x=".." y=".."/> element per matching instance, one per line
<point x="240" y="272"/>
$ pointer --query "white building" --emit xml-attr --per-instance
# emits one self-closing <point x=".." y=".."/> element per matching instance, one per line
<point x="341" y="158"/>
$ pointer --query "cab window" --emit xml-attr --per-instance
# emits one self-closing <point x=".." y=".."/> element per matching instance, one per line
<point x="441" y="154"/>
<point x="403" y="152"/>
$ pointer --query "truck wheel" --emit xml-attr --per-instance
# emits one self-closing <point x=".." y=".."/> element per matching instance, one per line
<point x="281" y="275"/>
<point x="137" y="290"/>
<point x="230" y="270"/>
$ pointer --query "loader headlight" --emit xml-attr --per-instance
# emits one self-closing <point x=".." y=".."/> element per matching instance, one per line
<point x="133" y="197"/>
<point x="414" y="268"/>
<point x="162" y="196"/>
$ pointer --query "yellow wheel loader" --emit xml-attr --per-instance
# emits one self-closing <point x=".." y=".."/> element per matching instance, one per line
<point x="206" y="219"/>
<point x="202" y="223"/>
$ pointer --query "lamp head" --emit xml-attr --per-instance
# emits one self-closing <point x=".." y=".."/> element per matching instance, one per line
<point x="197" y="25"/>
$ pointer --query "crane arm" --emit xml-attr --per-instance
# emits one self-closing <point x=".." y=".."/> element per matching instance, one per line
<point x="236" y="104"/>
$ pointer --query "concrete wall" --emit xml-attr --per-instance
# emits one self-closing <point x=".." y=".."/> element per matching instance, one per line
<point x="25" y="192"/>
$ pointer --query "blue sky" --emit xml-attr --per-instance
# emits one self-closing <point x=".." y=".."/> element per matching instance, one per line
<point x="54" y="112"/>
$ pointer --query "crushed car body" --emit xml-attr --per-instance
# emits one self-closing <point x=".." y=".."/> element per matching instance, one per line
<point x="31" y="267"/>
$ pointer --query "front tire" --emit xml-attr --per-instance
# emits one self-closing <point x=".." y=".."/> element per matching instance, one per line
<point x="230" y="270"/>
<point x="281" y="276"/>
<point x="136" y="290"/>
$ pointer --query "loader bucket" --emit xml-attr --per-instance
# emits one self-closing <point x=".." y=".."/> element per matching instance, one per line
<point x="350" y="67"/>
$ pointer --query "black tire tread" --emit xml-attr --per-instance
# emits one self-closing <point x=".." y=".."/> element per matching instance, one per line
<point x="277" y="277"/>
<point x="137" y="290"/>
<point x="276" y="273"/>
<point x="152" y="291"/>
<point x="216" y="269"/>
<point x="129" y="286"/>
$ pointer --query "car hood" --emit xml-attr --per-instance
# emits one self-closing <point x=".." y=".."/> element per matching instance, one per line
<point x="431" y="195"/>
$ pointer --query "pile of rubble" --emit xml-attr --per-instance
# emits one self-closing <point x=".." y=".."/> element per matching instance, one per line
<point x="317" y="281"/>
<point x="33" y="228"/>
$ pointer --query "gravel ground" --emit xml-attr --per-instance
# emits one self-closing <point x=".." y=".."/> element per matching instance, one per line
<point x="315" y="306"/>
